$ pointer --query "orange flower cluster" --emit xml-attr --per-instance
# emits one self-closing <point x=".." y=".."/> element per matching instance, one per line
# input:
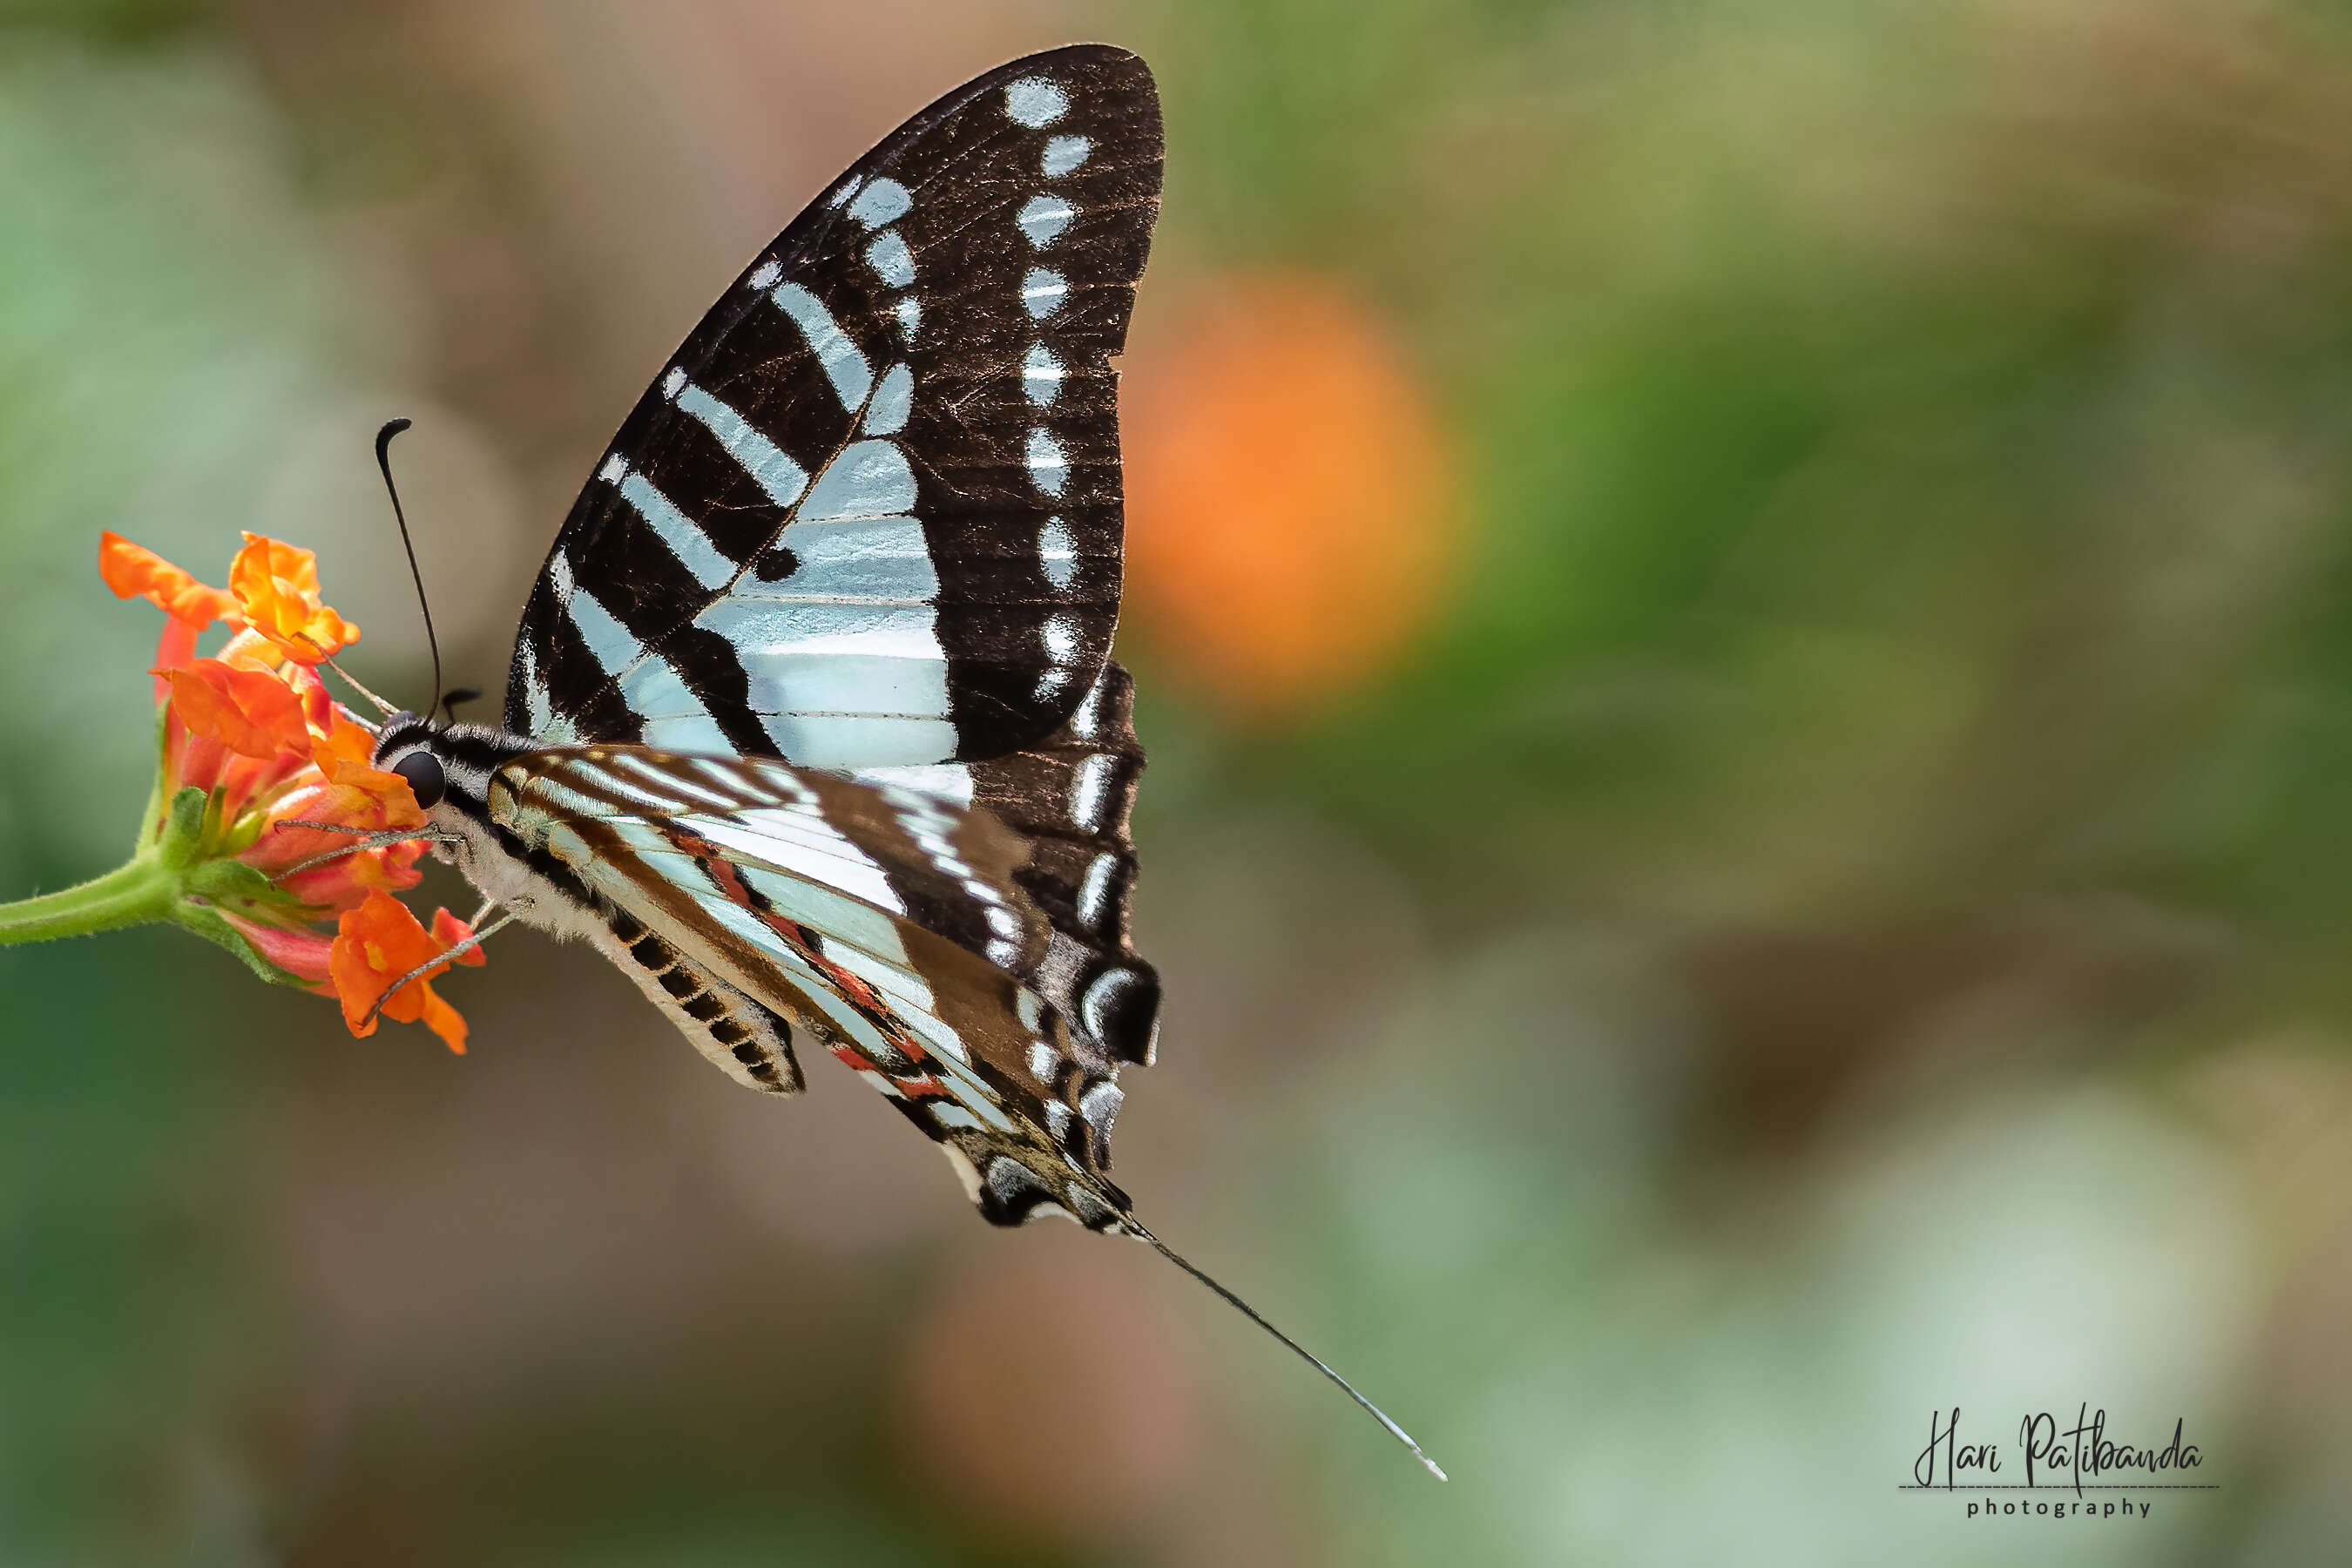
<point x="254" y="750"/>
<point x="1289" y="494"/>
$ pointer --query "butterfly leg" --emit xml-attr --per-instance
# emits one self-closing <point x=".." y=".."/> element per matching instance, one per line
<point x="365" y="840"/>
<point x="428" y="966"/>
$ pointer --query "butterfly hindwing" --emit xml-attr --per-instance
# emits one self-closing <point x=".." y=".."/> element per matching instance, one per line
<point x="887" y="924"/>
<point x="1069" y="797"/>
<point x="870" y="514"/>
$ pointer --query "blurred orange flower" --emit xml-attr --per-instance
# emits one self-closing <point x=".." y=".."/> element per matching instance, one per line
<point x="378" y="942"/>
<point x="1291" y="516"/>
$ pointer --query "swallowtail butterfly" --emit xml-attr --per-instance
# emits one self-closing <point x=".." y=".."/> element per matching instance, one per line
<point x="812" y="726"/>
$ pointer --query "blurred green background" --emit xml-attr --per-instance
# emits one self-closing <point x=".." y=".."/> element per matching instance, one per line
<point x="1799" y="876"/>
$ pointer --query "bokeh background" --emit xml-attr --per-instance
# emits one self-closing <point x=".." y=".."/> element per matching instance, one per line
<point x="1745" y="615"/>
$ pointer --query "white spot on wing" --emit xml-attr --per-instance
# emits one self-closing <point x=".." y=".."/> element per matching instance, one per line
<point x="1044" y="217"/>
<point x="892" y="260"/>
<point x="1042" y="292"/>
<point x="1061" y="637"/>
<point x="1049" y="465"/>
<point x="1095" y="893"/>
<point x="1099" y="1105"/>
<point x="1090" y="791"/>
<point x="672" y="382"/>
<point x="1034" y="101"/>
<point x="612" y="470"/>
<point x="911" y="316"/>
<point x="763" y="276"/>
<point x="1043" y="1059"/>
<point x="848" y="189"/>
<point x="1056" y="555"/>
<point x="884" y="201"/>
<point x="1041" y="376"/>
<point x="1087" y="720"/>
<point x="1064" y="154"/>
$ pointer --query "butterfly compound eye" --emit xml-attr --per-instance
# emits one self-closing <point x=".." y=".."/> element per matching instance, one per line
<point x="425" y="780"/>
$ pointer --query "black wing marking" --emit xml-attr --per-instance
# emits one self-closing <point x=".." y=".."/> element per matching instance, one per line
<point x="871" y="512"/>
<point x="748" y="1043"/>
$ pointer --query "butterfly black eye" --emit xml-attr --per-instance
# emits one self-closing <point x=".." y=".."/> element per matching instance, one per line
<point x="425" y="780"/>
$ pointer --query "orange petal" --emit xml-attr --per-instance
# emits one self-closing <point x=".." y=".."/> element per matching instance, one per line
<point x="346" y="882"/>
<point x="445" y="1021"/>
<point x="317" y="702"/>
<point x="176" y="650"/>
<point x="449" y="930"/>
<point x="370" y="797"/>
<point x="276" y="589"/>
<point x="374" y="945"/>
<point x="252" y="713"/>
<point x="134" y="571"/>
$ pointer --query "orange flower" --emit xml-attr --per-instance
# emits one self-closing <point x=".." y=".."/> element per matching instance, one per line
<point x="1289" y="506"/>
<point x="134" y="571"/>
<point x="252" y="713"/>
<point x="271" y="819"/>
<point x="378" y="942"/>
<point x="276" y="589"/>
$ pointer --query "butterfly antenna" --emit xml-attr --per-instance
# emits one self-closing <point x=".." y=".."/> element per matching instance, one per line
<point x="383" y="460"/>
<point x="386" y="709"/>
<point x="1309" y="1357"/>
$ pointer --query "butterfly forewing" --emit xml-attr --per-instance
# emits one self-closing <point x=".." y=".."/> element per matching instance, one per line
<point x="869" y="514"/>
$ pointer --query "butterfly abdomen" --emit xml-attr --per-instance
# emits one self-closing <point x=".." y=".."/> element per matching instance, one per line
<point x="743" y="1039"/>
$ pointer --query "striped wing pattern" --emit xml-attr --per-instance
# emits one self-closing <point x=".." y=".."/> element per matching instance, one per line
<point x="887" y="924"/>
<point x="869" y="515"/>
<point x="1069" y="797"/>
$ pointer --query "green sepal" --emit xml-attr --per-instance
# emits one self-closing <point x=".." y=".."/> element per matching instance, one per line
<point x="213" y="927"/>
<point x="235" y="882"/>
<point x="183" y="840"/>
<point x="243" y="833"/>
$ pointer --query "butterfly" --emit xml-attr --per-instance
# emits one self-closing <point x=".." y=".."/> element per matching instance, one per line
<point x="812" y="726"/>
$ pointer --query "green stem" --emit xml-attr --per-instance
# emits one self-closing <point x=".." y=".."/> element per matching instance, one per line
<point x="135" y="894"/>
